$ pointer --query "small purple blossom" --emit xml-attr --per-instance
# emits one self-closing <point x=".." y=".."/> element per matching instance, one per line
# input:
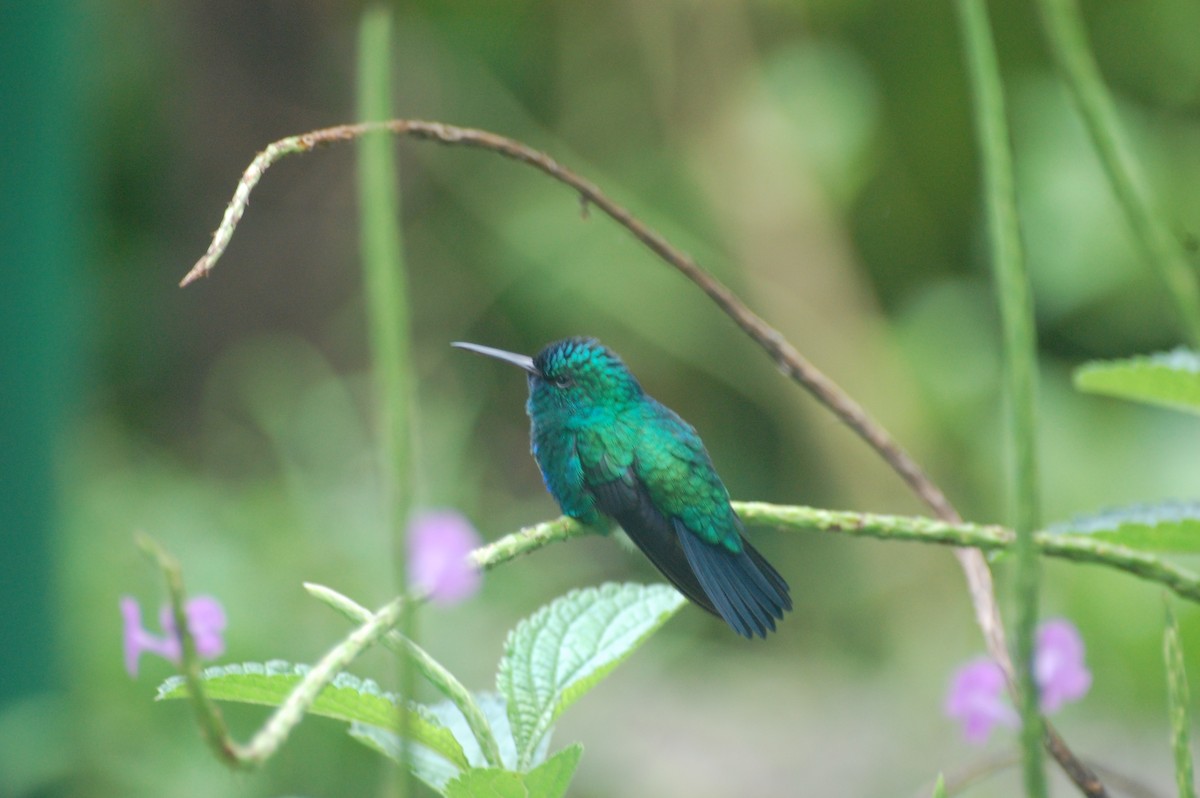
<point x="438" y="544"/>
<point x="1058" y="665"/>
<point x="978" y="701"/>
<point x="206" y="621"/>
<point x="977" y="695"/>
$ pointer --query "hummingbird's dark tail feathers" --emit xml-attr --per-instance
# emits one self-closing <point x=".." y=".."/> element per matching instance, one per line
<point x="654" y="534"/>
<point x="746" y="591"/>
<point x="743" y="588"/>
<point x="765" y="568"/>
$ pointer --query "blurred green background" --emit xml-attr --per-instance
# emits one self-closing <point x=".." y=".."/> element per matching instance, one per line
<point x="818" y="157"/>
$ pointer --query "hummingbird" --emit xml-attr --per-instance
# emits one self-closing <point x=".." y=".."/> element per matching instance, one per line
<point x="607" y="449"/>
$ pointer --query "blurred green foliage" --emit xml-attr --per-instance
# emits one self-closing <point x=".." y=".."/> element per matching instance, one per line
<point x="817" y="157"/>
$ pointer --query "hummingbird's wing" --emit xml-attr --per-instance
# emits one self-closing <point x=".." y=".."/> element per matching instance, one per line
<point x="748" y="593"/>
<point x="668" y="498"/>
<point x="607" y="483"/>
<point x="626" y="501"/>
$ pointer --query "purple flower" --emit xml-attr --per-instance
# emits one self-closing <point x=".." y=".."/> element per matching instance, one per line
<point x="978" y="701"/>
<point x="1058" y="665"/>
<point x="977" y="695"/>
<point x="206" y="621"/>
<point x="438" y="544"/>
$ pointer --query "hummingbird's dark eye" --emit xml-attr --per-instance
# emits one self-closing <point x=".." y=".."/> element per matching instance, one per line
<point x="563" y="381"/>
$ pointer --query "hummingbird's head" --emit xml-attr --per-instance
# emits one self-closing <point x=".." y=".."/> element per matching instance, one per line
<point x="571" y="376"/>
<point x="580" y="374"/>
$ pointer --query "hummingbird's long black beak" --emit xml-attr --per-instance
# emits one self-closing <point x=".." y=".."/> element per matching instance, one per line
<point x="520" y="361"/>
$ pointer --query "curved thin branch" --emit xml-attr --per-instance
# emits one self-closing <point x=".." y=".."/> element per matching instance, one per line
<point x="786" y="356"/>
<point x="789" y="360"/>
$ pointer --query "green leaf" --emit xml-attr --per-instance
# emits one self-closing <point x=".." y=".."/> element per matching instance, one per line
<point x="1171" y="379"/>
<point x="347" y="698"/>
<point x="427" y="765"/>
<point x="433" y="768"/>
<point x="562" y="650"/>
<point x="488" y="783"/>
<point x="430" y="668"/>
<point x="552" y="778"/>
<point x="1162" y="527"/>
<point x="549" y="780"/>
<point x="939" y="787"/>
<point x="495" y="711"/>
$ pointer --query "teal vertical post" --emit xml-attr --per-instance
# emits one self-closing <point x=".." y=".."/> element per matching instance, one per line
<point x="40" y="200"/>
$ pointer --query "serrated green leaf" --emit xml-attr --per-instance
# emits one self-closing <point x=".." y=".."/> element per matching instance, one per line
<point x="493" y="708"/>
<point x="424" y="662"/>
<point x="1162" y="527"/>
<point x="562" y="650"/>
<point x="385" y="742"/>
<point x="347" y="698"/>
<point x="428" y="766"/>
<point x="488" y="783"/>
<point x="552" y="778"/>
<point x="549" y="780"/>
<point x="434" y="769"/>
<point x="1171" y="379"/>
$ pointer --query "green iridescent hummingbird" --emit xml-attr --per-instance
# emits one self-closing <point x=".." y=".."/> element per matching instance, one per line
<point x="608" y="449"/>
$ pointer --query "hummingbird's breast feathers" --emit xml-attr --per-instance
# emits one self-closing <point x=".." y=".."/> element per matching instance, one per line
<point x="578" y="451"/>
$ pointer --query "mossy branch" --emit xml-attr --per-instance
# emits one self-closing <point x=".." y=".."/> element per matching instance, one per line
<point x="915" y="529"/>
<point x="378" y="626"/>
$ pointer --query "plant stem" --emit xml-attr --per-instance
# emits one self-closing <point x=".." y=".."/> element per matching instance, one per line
<point x="1020" y="359"/>
<point x="279" y="725"/>
<point x="530" y="538"/>
<point x="430" y="668"/>
<point x="1068" y="43"/>
<point x="209" y="717"/>
<point x="1178" y="703"/>
<point x="387" y="312"/>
